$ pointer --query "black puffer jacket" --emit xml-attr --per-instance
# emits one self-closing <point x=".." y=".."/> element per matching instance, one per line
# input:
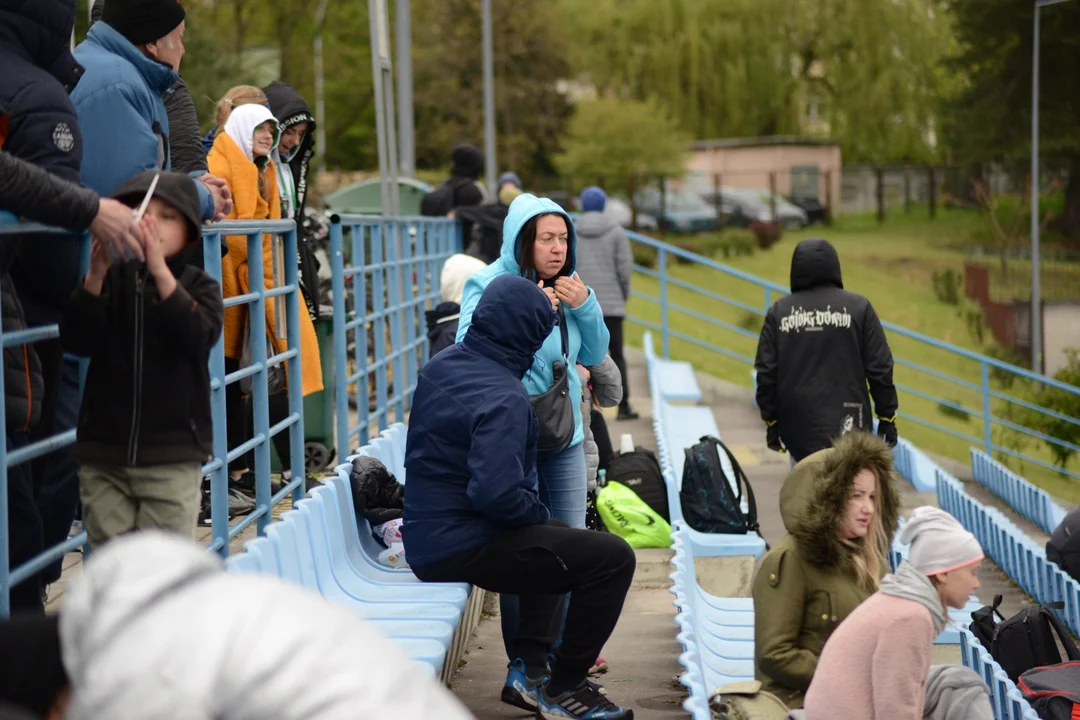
<point x="377" y="495"/>
<point x="37" y="125"/>
<point x="442" y="326"/>
<point x="819" y="348"/>
<point x="147" y="396"/>
<point x="36" y="194"/>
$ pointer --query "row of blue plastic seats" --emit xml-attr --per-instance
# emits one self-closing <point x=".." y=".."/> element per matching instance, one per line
<point x="1028" y="500"/>
<point x="1008" y="703"/>
<point x="1020" y="557"/>
<point x="323" y="545"/>
<point x="677" y="427"/>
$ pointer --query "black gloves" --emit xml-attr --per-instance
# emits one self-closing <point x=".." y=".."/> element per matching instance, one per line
<point x="772" y="438"/>
<point x="886" y="430"/>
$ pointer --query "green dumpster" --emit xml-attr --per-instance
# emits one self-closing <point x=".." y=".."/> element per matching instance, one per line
<point x="365" y="197"/>
<point x="318" y="407"/>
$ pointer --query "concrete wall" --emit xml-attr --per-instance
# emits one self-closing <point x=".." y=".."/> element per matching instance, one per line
<point x="1061" y="330"/>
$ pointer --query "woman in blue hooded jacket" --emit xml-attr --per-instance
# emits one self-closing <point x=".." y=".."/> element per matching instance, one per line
<point x="539" y="243"/>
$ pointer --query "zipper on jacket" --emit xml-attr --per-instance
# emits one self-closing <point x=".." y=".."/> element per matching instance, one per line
<point x="137" y="371"/>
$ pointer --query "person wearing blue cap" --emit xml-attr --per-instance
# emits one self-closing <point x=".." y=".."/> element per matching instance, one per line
<point x="605" y="263"/>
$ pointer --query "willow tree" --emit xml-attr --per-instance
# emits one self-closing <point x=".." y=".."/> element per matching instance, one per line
<point x="625" y="142"/>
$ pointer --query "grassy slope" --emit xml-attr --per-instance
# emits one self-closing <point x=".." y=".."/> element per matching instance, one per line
<point x="893" y="266"/>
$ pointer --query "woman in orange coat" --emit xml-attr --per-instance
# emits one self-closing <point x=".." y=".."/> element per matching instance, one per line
<point x="241" y="155"/>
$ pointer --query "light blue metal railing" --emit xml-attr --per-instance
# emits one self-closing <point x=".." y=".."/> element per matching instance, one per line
<point x="284" y="232"/>
<point x="379" y="341"/>
<point x="990" y="397"/>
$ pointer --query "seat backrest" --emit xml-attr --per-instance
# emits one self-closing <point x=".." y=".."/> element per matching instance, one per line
<point x="295" y="533"/>
<point x="283" y="537"/>
<point x="311" y="522"/>
<point x="242" y="563"/>
<point x="266" y="554"/>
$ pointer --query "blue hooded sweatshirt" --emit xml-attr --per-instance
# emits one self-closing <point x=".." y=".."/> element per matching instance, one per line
<point x="122" y="113"/>
<point x="585" y="324"/>
<point x="471" y="451"/>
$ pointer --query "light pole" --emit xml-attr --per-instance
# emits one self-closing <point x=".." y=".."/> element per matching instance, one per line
<point x="406" y="144"/>
<point x="320" y="105"/>
<point x="1036" y="291"/>
<point x="489" y="99"/>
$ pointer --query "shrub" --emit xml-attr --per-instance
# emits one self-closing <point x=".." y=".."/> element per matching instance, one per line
<point x="947" y="286"/>
<point x="972" y="313"/>
<point x="644" y="255"/>
<point x="751" y="321"/>
<point x="953" y="412"/>
<point x="1064" y="402"/>
<point x="766" y="233"/>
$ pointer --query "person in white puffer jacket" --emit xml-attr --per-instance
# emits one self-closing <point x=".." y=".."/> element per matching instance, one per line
<point x="154" y="628"/>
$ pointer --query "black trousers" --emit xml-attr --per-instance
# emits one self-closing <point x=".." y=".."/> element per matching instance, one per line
<point x="540" y="564"/>
<point x="601" y="437"/>
<point x="240" y="422"/>
<point x="615" y="349"/>
<point x="24" y="528"/>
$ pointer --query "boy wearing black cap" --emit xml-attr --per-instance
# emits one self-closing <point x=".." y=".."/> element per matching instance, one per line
<point x="144" y="427"/>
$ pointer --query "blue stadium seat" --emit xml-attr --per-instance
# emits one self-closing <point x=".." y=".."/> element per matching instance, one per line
<point x="242" y="563"/>
<point x="351" y="576"/>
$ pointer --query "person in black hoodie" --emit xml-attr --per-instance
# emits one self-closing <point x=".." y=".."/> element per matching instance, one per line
<point x="144" y="427"/>
<point x="296" y="148"/>
<point x="819" y="349"/>
<point x="473" y="511"/>
<point x="442" y="320"/>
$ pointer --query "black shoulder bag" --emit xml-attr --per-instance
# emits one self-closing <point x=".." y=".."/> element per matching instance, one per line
<point x="554" y="409"/>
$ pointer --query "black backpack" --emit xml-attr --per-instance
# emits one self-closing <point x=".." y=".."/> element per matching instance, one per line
<point x="640" y="471"/>
<point x="708" y="502"/>
<point x="442" y="199"/>
<point x="1054" y="692"/>
<point x="1024" y="641"/>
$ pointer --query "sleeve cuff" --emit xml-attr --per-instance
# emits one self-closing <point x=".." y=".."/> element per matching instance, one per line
<point x="206" y="201"/>
<point x="586" y="306"/>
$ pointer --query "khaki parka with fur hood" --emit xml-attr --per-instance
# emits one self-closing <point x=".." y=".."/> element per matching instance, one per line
<point x="807" y="584"/>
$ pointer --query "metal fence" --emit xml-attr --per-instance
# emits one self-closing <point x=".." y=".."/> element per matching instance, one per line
<point x="385" y="274"/>
<point x="286" y="290"/>
<point x="706" y="305"/>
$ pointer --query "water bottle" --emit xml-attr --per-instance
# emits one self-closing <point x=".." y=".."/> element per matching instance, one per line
<point x="601" y="478"/>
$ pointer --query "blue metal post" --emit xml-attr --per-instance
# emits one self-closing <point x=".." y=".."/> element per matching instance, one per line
<point x="378" y="297"/>
<point x="259" y="399"/>
<point x="665" y="332"/>
<point x="768" y="298"/>
<point x="988" y="435"/>
<point x="295" y="370"/>
<point x="360" y="234"/>
<point x="219" y="477"/>
<point x="341" y="359"/>
<point x="392" y="234"/>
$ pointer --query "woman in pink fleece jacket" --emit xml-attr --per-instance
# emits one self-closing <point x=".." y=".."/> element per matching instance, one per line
<point x="875" y="665"/>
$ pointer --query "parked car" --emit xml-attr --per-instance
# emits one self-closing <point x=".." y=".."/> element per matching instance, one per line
<point x="742" y="206"/>
<point x="683" y="211"/>
<point x="814" y="208"/>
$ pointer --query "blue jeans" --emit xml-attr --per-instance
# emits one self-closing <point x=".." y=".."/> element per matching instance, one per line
<point x="563" y="487"/>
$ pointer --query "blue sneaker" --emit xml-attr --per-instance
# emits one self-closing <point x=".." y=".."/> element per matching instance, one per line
<point x="520" y="690"/>
<point x="585" y="702"/>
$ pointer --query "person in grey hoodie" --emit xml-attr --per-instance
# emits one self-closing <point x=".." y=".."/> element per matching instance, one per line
<point x="601" y="387"/>
<point x="605" y="264"/>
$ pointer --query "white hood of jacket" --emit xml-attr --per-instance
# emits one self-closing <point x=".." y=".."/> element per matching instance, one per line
<point x="155" y="629"/>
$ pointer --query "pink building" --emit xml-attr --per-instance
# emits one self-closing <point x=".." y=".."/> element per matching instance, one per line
<point x="802" y="166"/>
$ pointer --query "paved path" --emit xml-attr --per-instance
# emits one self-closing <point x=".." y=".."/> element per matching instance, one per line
<point x="643" y="652"/>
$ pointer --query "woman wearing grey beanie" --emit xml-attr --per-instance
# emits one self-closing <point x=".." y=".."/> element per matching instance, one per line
<point x="877" y="663"/>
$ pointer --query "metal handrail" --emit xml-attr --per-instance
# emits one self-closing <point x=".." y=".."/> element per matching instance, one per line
<point x="772" y="291"/>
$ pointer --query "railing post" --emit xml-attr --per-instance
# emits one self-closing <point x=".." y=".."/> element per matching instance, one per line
<point x="260" y="400"/>
<point x="665" y="330"/>
<point x="988" y="437"/>
<point x="768" y="298"/>
<point x="360" y="235"/>
<point x="219" y="478"/>
<point x="341" y="360"/>
<point x="295" y="365"/>
<point x="5" y="568"/>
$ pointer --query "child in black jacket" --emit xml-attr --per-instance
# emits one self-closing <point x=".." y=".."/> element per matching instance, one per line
<point x="144" y="426"/>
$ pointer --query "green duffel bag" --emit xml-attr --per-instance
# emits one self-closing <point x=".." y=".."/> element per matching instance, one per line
<point x="628" y="516"/>
<point x="746" y="701"/>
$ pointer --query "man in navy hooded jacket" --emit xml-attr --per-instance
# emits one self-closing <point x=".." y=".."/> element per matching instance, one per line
<point x="473" y="513"/>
